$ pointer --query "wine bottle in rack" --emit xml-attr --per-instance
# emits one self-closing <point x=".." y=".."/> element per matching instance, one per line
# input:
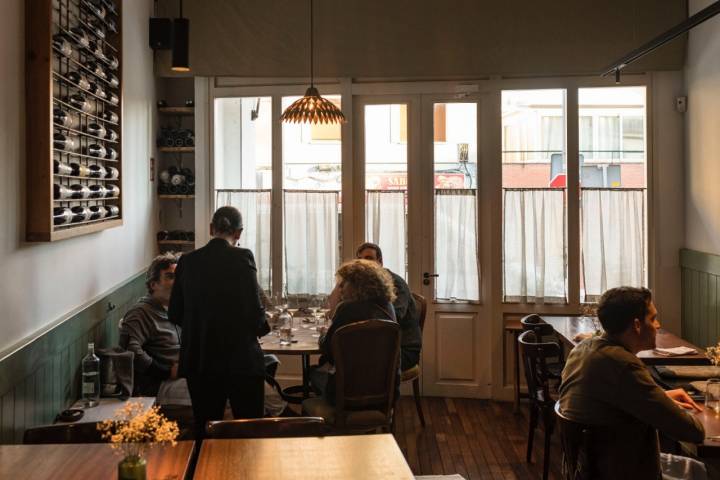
<point x="62" y="216"/>
<point x="112" y="210"/>
<point x="79" y="36"/>
<point x="79" y="170"/>
<point x="113" y="98"/>
<point x="113" y="63"/>
<point x="94" y="150"/>
<point x="111" y="153"/>
<point x="65" y="142"/>
<point x="112" y="173"/>
<point x="97" y="90"/>
<point x="80" y="214"/>
<point x="97" y="171"/>
<point x="61" y="192"/>
<point x="95" y="129"/>
<point x="97" y="69"/>
<point x="97" y="191"/>
<point x="79" y="101"/>
<point x="61" y="44"/>
<point x="110" y="116"/>
<point x="96" y="49"/>
<point x="79" y="192"/>
<point x="63" y="118"/>
<point x="112" y="191"/>
<point x="97" y="212"/>
<point x="95" y="28"/>
<point x="61" y="168"/>
<point x="78" y="79"/>
<point x="112" y="79"/>
<point x="111" y="135"/>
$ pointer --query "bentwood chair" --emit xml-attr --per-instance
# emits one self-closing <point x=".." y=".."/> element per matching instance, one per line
<point x="268" y="428"/>
<point x="413" y="373"/>
<point x="367" y="355"/>
<point x="85" y="432"/>
<point x="546" y="332"/>
<point x="535" y="354"/>
<point x="575" y="441"/>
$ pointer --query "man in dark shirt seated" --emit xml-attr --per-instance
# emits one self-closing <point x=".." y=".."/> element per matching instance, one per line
<point x="405" y="310"/>
<point x="605" y="384"/>
<point x="146" y="331"/>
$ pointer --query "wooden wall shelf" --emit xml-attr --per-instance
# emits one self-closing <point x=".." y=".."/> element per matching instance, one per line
<point x="177" y="110"/>
<point x="176" y="242"/>
<point x="59" y="65"/>
<point x="177" y="149"/>
<point x="175" y="197"/>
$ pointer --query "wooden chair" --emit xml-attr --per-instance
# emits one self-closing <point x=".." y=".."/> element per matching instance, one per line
<point x="575" y="444"/>
<point x="268" y="428"/>
<point x="367" y="355"/>
<point x="546" y="332"/>
<point x="534" y="354"/>
<point x="85" y="432"/>
<point x="413" y="373"/>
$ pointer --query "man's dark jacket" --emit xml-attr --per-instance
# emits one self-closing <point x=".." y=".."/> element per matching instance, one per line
<point x="216" y="301"/>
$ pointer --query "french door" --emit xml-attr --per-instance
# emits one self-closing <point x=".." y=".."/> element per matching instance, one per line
<point x="416" y="179"/>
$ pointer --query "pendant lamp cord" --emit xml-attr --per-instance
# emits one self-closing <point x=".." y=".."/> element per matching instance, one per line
<point x="181" y="8"/>
<point x="311" y="45"/>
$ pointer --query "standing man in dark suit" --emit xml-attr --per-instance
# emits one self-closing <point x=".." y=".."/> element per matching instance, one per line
<point x="216" y="301"/>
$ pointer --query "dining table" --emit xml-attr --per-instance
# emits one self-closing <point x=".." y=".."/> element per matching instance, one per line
<point x="569" y="327"/>
<point x="353" y="457"/>
<point x="90" y="460"/>
<point x="304" y="343"/>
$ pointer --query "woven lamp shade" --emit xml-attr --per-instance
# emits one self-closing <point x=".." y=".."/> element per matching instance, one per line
<point x="312" y="108"/>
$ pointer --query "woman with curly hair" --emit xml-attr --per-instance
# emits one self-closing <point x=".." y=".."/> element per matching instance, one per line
<point x="366" y="291"/>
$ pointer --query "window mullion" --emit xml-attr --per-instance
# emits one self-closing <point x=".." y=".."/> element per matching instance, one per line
<point x="572" y="148"/>
<point x="277" y="237"/>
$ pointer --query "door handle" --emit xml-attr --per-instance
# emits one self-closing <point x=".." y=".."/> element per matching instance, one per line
<point x="426" y="277"/>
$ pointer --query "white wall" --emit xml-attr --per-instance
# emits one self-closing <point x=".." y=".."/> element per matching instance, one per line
<point x="42" y="282"/>
<point x="702" y="79"/>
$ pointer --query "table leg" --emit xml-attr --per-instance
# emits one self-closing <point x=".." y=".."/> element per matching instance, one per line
<point x="305" y="378"/>
<point x="516" y="355"/>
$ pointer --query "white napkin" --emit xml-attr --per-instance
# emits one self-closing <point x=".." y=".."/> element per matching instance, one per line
<point x="672" y="352"/>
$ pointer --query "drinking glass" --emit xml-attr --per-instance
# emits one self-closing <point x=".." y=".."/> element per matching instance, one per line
<point x="712" y="395"/>
<point x="285" y="335"/>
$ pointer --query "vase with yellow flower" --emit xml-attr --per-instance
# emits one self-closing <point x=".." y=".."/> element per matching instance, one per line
<point x="132" y="431"/>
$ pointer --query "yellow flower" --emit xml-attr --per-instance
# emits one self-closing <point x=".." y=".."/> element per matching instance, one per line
<point x="134" y="427"/>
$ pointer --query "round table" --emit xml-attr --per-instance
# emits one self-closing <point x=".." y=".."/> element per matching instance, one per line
<point x="304" y="344"/>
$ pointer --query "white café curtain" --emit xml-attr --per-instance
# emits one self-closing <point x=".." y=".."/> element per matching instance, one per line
<point x="385" y="226"/>
<point x="534" y="254"/>
<point x="613" y="240"/>
<point x="254" y="206"/>
<point x="456" y="245"/>
<point x="311" y="241"/>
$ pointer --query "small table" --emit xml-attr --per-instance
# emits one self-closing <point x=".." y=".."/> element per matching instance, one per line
<point x="569" y="327"/>
<point x="89" y="460"/>
<point x="107" y="407"/>
<point x="709" y="448"/>
<point x="358" y="457"/>
<point x="304" y="346"/>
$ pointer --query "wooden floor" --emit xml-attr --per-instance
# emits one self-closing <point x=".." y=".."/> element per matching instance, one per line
<point x="478" y="439"/>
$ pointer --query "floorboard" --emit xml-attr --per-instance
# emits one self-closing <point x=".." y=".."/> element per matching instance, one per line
<point x="478" y="439"/>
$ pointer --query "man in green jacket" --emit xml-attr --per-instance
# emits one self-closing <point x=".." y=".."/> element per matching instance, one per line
<point x="604" y="384"/>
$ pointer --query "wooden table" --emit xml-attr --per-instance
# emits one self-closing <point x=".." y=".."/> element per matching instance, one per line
<point x="107" y="408"/>
<point x="709" y="448"/>
<point x="90" y="460"/>
<point x="569" y="327"/>
<point x="360" y="457"/>
<point x="305" y="346"/>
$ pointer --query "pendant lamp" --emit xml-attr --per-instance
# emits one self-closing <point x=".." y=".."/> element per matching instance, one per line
<point x="312" y="108"/>
<point x="181" y="41"/>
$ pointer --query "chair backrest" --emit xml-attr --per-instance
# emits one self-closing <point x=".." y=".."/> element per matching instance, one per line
<point x="85" y="432"/>
<point x="535" y="323"/>
<point x="422" y="309"/>
<point x="268" y="428"/>
<point x="367" y="356"/>
<point x="535" y="354"/>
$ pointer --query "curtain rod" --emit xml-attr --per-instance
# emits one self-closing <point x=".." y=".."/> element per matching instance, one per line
<point x="695" y="20"/>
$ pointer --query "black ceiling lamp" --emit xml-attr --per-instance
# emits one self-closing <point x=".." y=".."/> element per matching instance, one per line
<point x="312" y="107"/>
<point x="181" y="43"/>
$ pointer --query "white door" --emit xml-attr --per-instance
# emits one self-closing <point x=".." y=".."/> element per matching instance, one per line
<point x="415" y="188"/>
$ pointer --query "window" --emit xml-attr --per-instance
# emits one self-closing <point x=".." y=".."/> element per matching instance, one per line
<point x="534" y="196"/>
<point x="613" y="191"/>
<point x="243" y="171"/>
<point x="312" y="176"/>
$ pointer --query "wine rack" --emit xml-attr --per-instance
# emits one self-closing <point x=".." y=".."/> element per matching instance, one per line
<point x="74" y="117"/>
